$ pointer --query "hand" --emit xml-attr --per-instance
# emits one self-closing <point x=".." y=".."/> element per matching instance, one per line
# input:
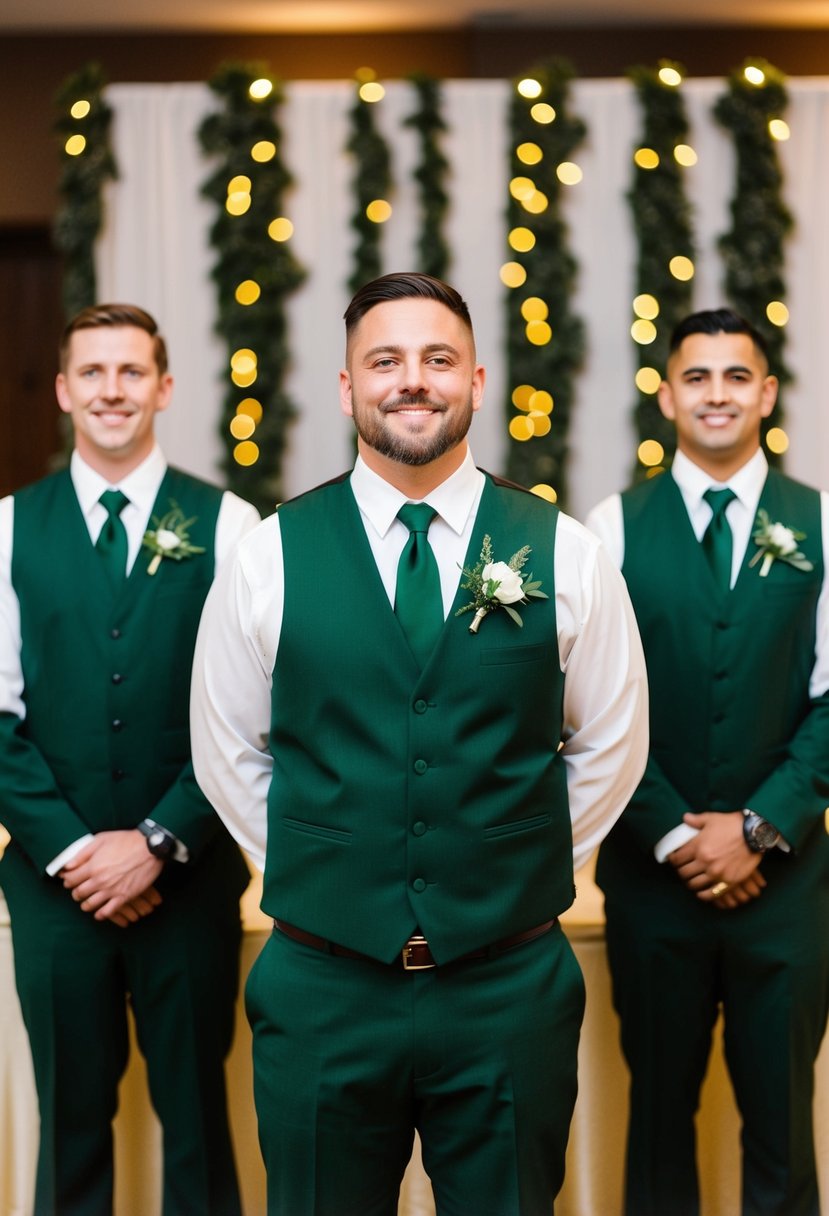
<point x="736" y="894"/>
<point x="114" y="874"/>
<point x="718" y="853"/>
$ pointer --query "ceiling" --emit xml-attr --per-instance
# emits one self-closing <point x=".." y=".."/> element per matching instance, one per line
<point x="361" y="16"/>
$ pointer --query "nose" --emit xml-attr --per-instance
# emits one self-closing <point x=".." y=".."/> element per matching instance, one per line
<point x="719" y="391"/>
<point x="412" y="377"/>
<point x="112" y="390"/>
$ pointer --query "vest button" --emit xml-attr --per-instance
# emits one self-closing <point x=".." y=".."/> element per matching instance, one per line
<point x="117" y="723"/>
<point x="420" y="767"/>
<point x="419" y="885"/>
<point x="421" y="706"/>
<point x="115" y="633"/>
<point x="419" y="828"/>
<point x="117" y="678"/>
<point x="118" y="774"/>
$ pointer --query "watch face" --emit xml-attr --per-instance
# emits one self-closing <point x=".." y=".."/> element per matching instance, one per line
<point x="760" y="835"/>
<point x="159" y="843"/>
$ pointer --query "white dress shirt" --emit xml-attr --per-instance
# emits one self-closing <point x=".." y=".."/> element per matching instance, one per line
<point x="605" y="697"/>
<point x="606" y="521"/>
<point x="236" y="517"/>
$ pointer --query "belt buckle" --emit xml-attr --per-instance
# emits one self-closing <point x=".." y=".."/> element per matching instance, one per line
<point x="406" y="954"/>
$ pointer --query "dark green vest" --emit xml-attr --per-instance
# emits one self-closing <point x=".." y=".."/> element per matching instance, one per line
<point x="399" y="797"/>
<point x="728" y="673"/>
<point x="106" y="673"/>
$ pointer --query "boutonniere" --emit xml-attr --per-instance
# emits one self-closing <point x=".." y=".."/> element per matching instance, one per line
<point x="777" y="543"/>
<point x="498" y="585"/>
<point x="169" y="537"/>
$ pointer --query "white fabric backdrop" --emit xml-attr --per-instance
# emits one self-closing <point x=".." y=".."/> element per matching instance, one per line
<point x="154" y="251"/>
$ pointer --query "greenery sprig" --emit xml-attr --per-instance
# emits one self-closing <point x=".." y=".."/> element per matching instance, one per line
<point x="87" y="162"/>
<point x="497" y="585"/>
<point x="551" y="272"/>
<point x="432" y="248"/>
<point x="245" y="253"/>
<point x="371" y="182"/>
<point x="663" y="225"/>
<point x="754" y="248"/>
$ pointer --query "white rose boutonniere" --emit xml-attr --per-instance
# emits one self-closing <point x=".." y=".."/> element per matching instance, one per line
<point x="498" y="585"/>
<point x="777" y="543"/>
<point x="169" y="537"/>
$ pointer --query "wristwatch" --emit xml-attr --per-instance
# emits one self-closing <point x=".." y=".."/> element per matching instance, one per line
<point x="759" y="834"/>
<point x="160" y="842"/>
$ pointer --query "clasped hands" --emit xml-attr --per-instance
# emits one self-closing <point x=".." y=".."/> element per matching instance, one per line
<point x="717" y="865"/>
<point x="113" y="877"/>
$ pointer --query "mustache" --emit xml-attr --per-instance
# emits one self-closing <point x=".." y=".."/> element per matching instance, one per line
<point x="407" y="400"/>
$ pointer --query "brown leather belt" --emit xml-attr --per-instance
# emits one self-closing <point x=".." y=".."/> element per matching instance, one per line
<point x="415" y="955"/>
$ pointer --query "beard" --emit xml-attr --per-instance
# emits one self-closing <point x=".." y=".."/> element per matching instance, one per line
<point x="413" y="448"/>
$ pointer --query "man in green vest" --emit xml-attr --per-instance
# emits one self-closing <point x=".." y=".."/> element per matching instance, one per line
<point x="122" y="884"/>
<point x="414" y="753"/>
<point x="716" y="879"/>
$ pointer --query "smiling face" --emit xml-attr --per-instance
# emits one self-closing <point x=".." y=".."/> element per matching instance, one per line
<point x="717" y="392"/>
<point x="411" y="386"/>
<point x="112" y="389"/>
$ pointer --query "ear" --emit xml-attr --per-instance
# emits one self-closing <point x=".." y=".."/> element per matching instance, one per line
<point x="770" y="386"/>
<point x="165" y="392"/>
<point x="62" y="394"/>
<point x="478" y="382"/>
<point x="665" y="399"/>
<point x="346" y="404"/>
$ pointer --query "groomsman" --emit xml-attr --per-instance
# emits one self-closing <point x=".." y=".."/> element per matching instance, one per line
<point x="122" y="884"/>
<point x="716" y="878"/>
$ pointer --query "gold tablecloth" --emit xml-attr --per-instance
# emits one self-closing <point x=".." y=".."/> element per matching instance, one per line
<point x="594" y="1160"/>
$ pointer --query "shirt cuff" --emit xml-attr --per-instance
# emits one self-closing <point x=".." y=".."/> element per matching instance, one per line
<point x="68" y="853"/>
<point x="674" y="839"/>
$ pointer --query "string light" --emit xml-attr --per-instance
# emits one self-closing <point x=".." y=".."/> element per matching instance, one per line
<point x="252" y="408"/>
<point x="246" y="453"/>
<point x="538" y="333"/>
<point x="754" y="75"/>
<point x="643" y="332"/>
<point x="648" y="380"/>
<point x="646" y="158"/>
<point x="378" y="211"/>
<point x="521" y="188"/>
<point x="263" y="151"/>
<point x="685" y="155"/>
<point x="534" y="309"/>
<point x="681" y="268"/>
<point x="260" y="89"/>
<point x="529" y="154"/>
<point x="545" y="491"/>
<point x="777" y="312"/>
<point x="646" y="306"/>
<point x="529" y="88"/>
<point x="248" y="292"/>
<point x="777" y="440"/>
<point x="522" y="396"/>
<point x="80" y="109"/>
<point x="512" y="274"/>
<point x="541" y="402"/>
<point x="371" y="91"/>
<point x="522" y="240"/>
<point x="280" y="229"/>
<point x="536" y="203"/>
<point x="74" y="145"/>
<point x="650" y="452"/>
<point x="779" y="129"/>
<point x="568" y="173"/>
<point x="670" y="76"/>
<point x="543" y="113"/>
<point x="242" y="426"/>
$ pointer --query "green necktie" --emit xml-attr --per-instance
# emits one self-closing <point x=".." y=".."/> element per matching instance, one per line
<point x="418" y="603"/>
<point x="112" y="539"/>
<point x="717" y="540"/>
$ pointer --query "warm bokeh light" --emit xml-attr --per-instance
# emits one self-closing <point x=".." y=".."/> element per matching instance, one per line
<point x="646" y="306"/>
<point x="522" y="396"/>
<point x="246" y="453"/>
<point x="378" y="211"/>
<point x="238" y="203"/>
<point x="646" y="158"/>
<point x="536" y="203"/>
<point x="80" y="109"/>
<point x="541" y="424"/>
<point x="244" y="379"/>
<point x="777" y="312"/>
<point x="538" y="333"/>
<point x="74" y="145"/>
<point x="568" y="173"/>
<point x="371" y="91"/>
<point x="654" y="472"/>
<point x="521" y="428"/>
<point x="534" y="309"/>
<point x="650" y="453"/>
<point x="779" y="129"/>
<point x="240" y="184"/>
<point x="364" y="74"/>
<point x="252" y="408"/>
<point x="242" y="426"/>
<point x="545" y="491"/>
<point x="260" y="89"/>
<point x="529" y="154"/>
<point x="754" y="75"/>
<point x="541" y="402"/>
<point x="543" y="113"/>
<point x="643" y="332"/>
<point x="648" y="380"/>
<point x="685" y="155"/>
<point x="521" y="187"/>
<point x="529" y="88"/>
<point x="670" y="77"/>
<point x="522" y="240"/>
<point x="777" y="440"/>
<point x="280" y="229"/>
<point x="243" y="360"/>
<point x="512" y="274"/>
<point x="248" y="292"/>
<point x="681" y="268"/>
<point x="263" y="151"/>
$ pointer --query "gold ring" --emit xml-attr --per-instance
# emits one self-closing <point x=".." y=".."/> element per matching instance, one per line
<point x="719" y="888"/>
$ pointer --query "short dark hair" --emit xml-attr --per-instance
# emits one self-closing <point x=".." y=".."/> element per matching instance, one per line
<point x="716" y="321"/>
<point x="100" y="316"/>
<point x="404" y="285"/>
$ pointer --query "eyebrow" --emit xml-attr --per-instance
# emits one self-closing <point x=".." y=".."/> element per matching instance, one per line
<point x="706" y="371"/>
<point x="394" y="349"/>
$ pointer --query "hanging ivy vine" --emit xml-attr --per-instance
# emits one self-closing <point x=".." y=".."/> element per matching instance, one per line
<point x="430" y="174"/>
<point x="663" y="225"/>
<point x="754" y="248"/>
<point x="371" y="183"/>
<point x="87" y="162"/>
<point x="254" y="272"/>
<point x="541" y="362"/>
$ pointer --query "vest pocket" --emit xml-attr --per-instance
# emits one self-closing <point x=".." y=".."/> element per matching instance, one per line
<point x="513" y="654"/>
<point x="516" y="826"/>
<point x="318" y="829"/>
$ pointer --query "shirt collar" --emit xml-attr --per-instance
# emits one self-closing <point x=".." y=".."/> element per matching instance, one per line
<point x="454" y="499"/>
<point x="747" y="483"/>
<point x="141" y="486"/>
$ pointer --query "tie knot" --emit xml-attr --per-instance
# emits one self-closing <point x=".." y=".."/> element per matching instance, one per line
<point x="718" y="500"/>
<point x="417" y="516"/>
<point x="113" y="502"/>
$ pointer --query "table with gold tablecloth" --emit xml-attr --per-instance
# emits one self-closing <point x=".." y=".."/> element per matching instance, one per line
<point x="594" y="1161"/>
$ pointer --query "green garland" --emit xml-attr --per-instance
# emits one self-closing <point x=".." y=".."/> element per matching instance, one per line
<point x="78" y="219"/>
<point x="662" y="222"/>
<point x="550" y="276"/>
<point x="372" y="181"/>
<point x="246" y="252"/>
<point x="753" y="250"/>
<point x="430" y="174"/>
